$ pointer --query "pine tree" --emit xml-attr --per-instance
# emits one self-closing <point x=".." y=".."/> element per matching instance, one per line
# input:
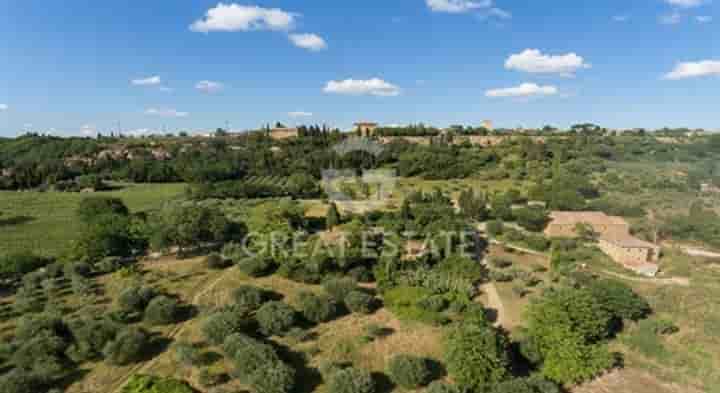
<point x="333" y="217"/>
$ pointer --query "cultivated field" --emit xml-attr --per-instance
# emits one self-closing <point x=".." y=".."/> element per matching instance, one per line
<point x="45" y="222"/>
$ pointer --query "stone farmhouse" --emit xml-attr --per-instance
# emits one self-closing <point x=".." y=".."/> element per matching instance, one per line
<point x="284" y="133"/>
<point x="366" y="129"/>
<point x="614" y="239"/>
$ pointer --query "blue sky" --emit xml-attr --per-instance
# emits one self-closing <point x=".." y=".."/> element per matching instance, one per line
<point x="79" y="66"/>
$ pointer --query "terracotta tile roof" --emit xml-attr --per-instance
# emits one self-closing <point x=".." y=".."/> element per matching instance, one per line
<point x="627" y="240"/>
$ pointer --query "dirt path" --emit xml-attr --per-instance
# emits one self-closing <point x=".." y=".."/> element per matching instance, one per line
<point x="495" y="303"/>
<point x="682" y="281"/>
<point x="143" y="367"/>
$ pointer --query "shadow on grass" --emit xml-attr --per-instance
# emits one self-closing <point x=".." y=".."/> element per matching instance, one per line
<point x="16" y="220"/>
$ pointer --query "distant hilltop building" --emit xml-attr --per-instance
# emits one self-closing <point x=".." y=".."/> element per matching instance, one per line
<point x="488" y="125"/>
<point x="614" y="239"/>
<point x="366" y="128"/>
<point x="283" y="133"/>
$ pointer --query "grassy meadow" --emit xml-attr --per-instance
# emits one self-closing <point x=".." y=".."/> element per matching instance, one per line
<point x="45" y="222"/>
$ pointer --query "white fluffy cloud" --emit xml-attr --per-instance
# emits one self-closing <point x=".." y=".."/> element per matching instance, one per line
<point x="300" y="114"/>
<point x="457" y="6"/>
<point x="524" y="90"/>
<point x="374" y="86"/>
<point x="533" y="61"/>
<point x="165" y="112"/>
<point x="685" y="3"/>
<point x="694" y="70"/>
<point x="236" y="17"/>
<point x="671" y="19"/>
<point x="4" y="107"/>
<point x="150" y="81"/>
<point x="312" y="42"/>
<point x="209" y="86"/>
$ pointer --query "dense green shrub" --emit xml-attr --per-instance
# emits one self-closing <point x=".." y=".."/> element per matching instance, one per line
<point x="339" y="288"/>
<point x="317" y="308"/>
<point x="257" y="266"/>
<point x="220" y="325"/>
<point x="477" y="356"/>
<point x="32" y="325"/>
<point x="163" y="310"/>
<point x="249" y="355"/>
<point x="409" y="372"/>
<point x="500" y="263"/>
<point x="135" y="298"/>
<point x="249" y="298"/>
<point x="20" y="381"/>
<point x="360" y="302"/>
<point x="362" y="274"/>
<point x="532" y="384"/>
<point x="436" y="303"/>
<point x="351" y="380"/>
<point x="152" y="384"/>
<point x="44" y="356"/>
<point x="619" y="299"/>
<point x="499" y="276"/>
<point x="441" y="387"/>
<point x="83" y="269"/>
<point x="276" y="377"/>
<point x="14" y="266"/>
<point x="275" y="318"/>
<point x="90" y="337"/>
<point x="217" y="262"/>
<point x="129" y="346"/>
<point x="109" y="265"/>
<point x="186" y="354"/>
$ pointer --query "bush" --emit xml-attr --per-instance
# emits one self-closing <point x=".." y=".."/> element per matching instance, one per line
<point x="248" y="355"/>
<point x="500" y="263"/>
<point x="477" y="356"/>
<point x="136" y="298"/>
<point x="44" y="356"/>
<point x="360" y="302"/>
<point x="436" y="303"/>
<point x="128" y="347"/>
<point x="532" y="384"/>
<point x="441" y="387"/>
<point x="222" y="324"/>
<point x="152" y="384"/>
<point x="109" y="265"/>
<point x="409" y="372"/>
<point x="499" y="276"/>
<point x="29" y="326"/>
<point x="91" y="336"/>
<point x="275" y="318"/>
<point x="277" y="377"/>
<point x="163" y="310"/>
<point x="351" y="380"/>
<point x="257" y="266"/>
<point x="20" y="381"/>
<point x="317" y="308"/>
<point x="249" y="298"/>
<point x="15" y="266"/>
<point x="361" y="274"/>
<point x="232" y="251"/>
<point x="339" y="288"/>
<point x="186" y="354"/>
<point x="83" y="269"/>
<point x="215" y="261"/>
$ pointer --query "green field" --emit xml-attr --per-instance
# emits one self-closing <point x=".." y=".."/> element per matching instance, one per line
<point x="45" y="222"/>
